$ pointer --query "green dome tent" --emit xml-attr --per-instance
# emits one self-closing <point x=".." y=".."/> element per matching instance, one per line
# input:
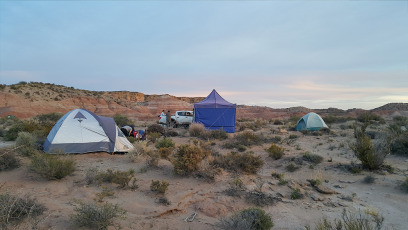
<point x="311" y="122"/>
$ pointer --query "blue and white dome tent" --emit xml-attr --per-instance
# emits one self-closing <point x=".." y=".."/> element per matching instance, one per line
<point x="81" y="131"/>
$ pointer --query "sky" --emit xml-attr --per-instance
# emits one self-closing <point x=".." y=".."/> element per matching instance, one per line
<point x="280" y="54"/>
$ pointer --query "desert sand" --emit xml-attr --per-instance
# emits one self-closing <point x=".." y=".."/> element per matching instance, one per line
<point x="190" y="195"/>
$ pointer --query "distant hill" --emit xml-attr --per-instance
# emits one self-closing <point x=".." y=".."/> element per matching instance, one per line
<point x="26" y="100"/>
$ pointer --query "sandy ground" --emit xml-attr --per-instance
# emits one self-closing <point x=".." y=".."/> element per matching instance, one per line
<point x="190" y="195"/>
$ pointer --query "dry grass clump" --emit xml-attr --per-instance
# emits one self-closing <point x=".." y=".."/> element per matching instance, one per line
<point x="275" y="151"/>
<point x="159" y="186"/>
<point x="140" y="149"/>
<point x="233" y="161"/>
<point x="369" y="220"/>
<point x="198" y="130"/>
<point x="14" y="209"/>
<point x="52" y="166"/>
<point x="312" y="158"/>
<point x="250" y="218"/>
<point x="96" y="216"/>
<point x="187" y="158"/>
<point x="26" y="144"/>
<point x="8" y="160"/>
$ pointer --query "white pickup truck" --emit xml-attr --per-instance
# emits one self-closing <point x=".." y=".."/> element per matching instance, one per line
<point x="181" y="118"/>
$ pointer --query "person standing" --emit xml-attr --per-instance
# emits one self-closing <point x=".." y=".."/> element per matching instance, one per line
<point x="168" y="119"/>
<point x="162" y="113"/>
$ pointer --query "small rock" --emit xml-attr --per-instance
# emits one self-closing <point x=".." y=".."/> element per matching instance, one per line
<point x="316" y="197"/>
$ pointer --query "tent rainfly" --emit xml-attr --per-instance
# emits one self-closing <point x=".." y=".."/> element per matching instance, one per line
<point x="81" y="131"/>
<point x="310" y="121"/>
<point x="214" y="112"/>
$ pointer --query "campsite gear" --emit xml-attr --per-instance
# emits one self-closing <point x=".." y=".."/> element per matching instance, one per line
<point x="81" y="131"/>
<point x="214" y="112"/>
<point x="311" y="122"/>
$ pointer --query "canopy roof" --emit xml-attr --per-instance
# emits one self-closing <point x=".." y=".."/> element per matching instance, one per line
<point x="214" y="100"/>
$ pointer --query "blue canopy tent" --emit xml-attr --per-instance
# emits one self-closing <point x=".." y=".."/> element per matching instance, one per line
<point x="214" y="112"/>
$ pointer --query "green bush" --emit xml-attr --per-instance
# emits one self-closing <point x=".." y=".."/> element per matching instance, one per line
<point x="159" y="186"/>
<point x="248" y="219"/>
<point x="122" y="120"/>
<point x="8" y="160"/>
<point x="371" y="156"/>
<point x="245" y="162"/>
<point x="291" y="167"/>
<point x="187" y="158"/>
<point x="218" y="134"/>
<point x="369" y="117"/>
<point x="26" y="144"/>
<point x="14" y="209"/>
<point x="164" y="143"/>
<point x="399" y="146"/>
<point x="52" y="166"/>
<point x="296" y="194"/>
<point x="247" y="138"/>
<point x="275" y="151"/>
<point x="96" y="216"/>
<point x="312" y="158"/>
<point x="48" y="119"/>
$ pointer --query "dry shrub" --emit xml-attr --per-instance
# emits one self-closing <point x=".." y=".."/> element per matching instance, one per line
<point x="296" y="194"/>
<point x="369" y="220"/>
<point x="275" y="151"/>
<point x="155" y="128"/>
<point x="140" y="149"/>
<point x="250" y="218"/>
<point x="8" y="160"/>
<point x="292" y="167"/>
<point x="153" y="137"/>
<point x="14" y="209"/>
<point x="165" y="152"/>
<point x="187" y="158"/>
<point x="96" y="216"/>
<point x="245" y="162"/>
<point x="218" y="134"/>
<point x="122" y="178"/>
<point x="52" y="166"/>
<point x="196" y="129"/>
<point x="159" y="186"/>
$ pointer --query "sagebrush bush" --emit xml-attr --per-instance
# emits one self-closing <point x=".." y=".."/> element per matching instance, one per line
<point x="369" y="117"/>
<point x="121" y="178"/>
<point x="371" y="156"/>
<point x="140" y="149"/>
<point x="312" y="158"/>
<point x="233" y="161"/>
<point x="153" y="137"/>
<point x="187" y="158"/>
<point x="26" y="144"/>
<point x="291" y="167"/>
<point x="14" y="209"/>
<point x="275" y="151"/>
<point x="155" y="128"/>
<point x="218" y="134"/>
<point x="164" y="143"/>
<point x="52" y="166"/>
<point x="96" y="216"/>
<point x="8" y="160"/>
<point x="399" y="145"/>
<point x="247" y="138"/>
<point x="159" y="186"/>
<point x="248" y="219"/>
<point x="196" y="129"/>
